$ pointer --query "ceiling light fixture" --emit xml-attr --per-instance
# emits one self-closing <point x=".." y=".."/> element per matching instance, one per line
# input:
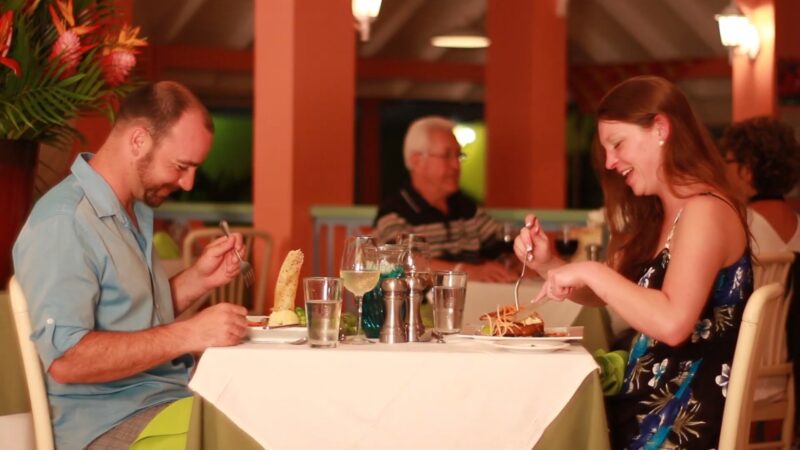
<point x="460" y="40"/>
<point x="365" y="11"/>
<point x="736" y="31"/>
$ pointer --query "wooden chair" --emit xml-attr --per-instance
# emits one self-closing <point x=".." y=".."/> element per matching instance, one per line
<point x="236" y="291"/>
<point x="774" y="268"/>
<point x="40" y="408"/>
<point x="754" y="358"/>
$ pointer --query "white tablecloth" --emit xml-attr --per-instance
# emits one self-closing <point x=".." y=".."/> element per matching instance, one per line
<point x="484" y="297"/>
<point x="465" y="394"/>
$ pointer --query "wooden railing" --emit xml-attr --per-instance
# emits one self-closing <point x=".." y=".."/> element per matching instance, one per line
<point x="331" y="223"/>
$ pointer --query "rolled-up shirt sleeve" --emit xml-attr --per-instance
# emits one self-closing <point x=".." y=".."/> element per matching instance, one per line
<point x="56" y="271"/>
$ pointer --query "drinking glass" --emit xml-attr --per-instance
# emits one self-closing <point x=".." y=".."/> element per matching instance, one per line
<point x="566" y="244"/>
<point x="416" y="259"/>
<point x="360" y="274"/>
<point x="323" y="297"/>
<point x="449" y="292"/>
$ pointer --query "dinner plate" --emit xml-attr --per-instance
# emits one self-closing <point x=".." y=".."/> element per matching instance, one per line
<point x="559" y="334"/>
<point x="531" y="346"/>
<point x="276" y="335"/>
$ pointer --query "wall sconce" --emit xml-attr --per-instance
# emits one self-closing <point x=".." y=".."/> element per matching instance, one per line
<point x="737" y="32"/>
<point x="365" y="11"/>
<point x="461" y="39"/>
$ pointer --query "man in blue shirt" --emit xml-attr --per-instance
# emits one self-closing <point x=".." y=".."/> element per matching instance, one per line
<point x="102" y="309"/>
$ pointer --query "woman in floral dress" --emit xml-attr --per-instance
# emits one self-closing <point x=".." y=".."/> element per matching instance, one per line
<point x="679" y="265"/>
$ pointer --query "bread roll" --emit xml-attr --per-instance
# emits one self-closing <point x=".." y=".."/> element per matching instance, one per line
<point x="286" y="290"/>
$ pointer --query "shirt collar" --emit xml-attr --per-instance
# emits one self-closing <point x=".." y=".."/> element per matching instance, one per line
<point x="102" y="197"/>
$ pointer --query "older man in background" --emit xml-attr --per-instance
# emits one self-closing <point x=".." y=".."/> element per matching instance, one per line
<point x="460" y="235"/>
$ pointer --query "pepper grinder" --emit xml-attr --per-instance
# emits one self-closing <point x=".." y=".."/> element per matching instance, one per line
<point x="418" y="283"/>
<point x="394" y="293"/>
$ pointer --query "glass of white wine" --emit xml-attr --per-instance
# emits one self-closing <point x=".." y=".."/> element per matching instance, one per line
<point x="360" y="273"/>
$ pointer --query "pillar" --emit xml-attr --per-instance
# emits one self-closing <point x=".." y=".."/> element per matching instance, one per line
<point x="303" y="118"/>
<point x="526" y="91"/>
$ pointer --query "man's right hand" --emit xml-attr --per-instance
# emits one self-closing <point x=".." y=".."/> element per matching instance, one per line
<point x="221" y="325"/>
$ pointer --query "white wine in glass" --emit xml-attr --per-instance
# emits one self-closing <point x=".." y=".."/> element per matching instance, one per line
<point x="360" y="274"/>
<point x="360" y="282"/>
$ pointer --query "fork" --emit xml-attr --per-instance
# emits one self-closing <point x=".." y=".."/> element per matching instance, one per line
<point x="245" y="268"/>
<point x="528" y="256"/>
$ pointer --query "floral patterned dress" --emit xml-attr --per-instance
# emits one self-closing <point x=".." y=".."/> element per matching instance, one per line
<point x="673" y="397"/>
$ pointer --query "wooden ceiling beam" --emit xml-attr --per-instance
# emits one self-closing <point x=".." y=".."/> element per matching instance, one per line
<point x="173" y="57"/>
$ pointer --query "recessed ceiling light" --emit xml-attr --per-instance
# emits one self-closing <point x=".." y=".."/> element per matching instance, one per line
<point x="460" y="41"/>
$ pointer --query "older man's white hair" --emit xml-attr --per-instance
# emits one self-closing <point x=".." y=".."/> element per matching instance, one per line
<point x="417" y="137"/>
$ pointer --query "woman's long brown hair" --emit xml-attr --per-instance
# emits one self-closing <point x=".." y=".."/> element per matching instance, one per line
<point x="689" y="157"/>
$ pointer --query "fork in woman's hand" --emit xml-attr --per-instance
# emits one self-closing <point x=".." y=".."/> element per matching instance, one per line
<point x="245" y="267"/>
<point x="528" y="257"/>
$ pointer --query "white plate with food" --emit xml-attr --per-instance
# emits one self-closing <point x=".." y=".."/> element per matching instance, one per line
<point x="530" y="346"/>
<point x="257" y="331"/>
<point x="551" y="334"/>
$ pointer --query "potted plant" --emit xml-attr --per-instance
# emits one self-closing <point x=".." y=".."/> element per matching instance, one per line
<point x="59" y="59"/>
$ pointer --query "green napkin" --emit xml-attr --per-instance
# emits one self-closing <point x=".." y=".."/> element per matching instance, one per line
<point x="168" y="430"/>
<point x="612" y="369"/>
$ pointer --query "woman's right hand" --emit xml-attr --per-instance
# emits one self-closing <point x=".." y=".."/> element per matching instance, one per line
<point x="532" y="238"/>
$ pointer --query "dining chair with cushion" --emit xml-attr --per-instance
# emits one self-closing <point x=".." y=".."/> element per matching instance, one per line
<point x="40" y="408"/>
<point x="255" y="242"/>
<point x="753" y="360"/>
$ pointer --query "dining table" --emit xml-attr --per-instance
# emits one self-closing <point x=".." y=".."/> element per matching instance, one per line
<point x="464" y="393"/>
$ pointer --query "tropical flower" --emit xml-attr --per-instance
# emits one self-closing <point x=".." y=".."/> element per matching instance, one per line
<point x="6" y="33"/>
<point x="119" y="55"/>
<point x="658" y="372"/>
<point x="722" y="379"/>
<point x="60" y="59"/>
<point x="702" y="330"/>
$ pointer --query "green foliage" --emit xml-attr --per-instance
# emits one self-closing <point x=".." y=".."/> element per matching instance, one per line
<point x="42" y="103"/>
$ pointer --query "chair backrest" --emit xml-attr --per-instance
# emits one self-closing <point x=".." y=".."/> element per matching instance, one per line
<point x="40" y="408"/>
<point x="234" y="292"/>
<point x="774" y="268"/>
<point x="754" y="337"/>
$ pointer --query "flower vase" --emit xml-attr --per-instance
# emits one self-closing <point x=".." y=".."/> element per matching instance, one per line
<point x="17" y="175"/>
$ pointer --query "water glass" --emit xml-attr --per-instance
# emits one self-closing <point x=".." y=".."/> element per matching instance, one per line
<point x="323" y="310"/>
<point x="449" y="292"/>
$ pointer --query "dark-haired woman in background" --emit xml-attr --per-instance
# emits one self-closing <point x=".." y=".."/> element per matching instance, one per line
<point x="679" y="265"/>
<point x="763" y="159"/>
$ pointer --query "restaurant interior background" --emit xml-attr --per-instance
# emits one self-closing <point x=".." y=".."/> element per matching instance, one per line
<point x="276" y="65"/>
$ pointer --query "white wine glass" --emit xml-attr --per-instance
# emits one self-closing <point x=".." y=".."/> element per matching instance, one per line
<point x="360" y="273"/>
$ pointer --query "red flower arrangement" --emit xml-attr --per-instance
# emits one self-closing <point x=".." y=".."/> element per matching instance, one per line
<point x="60" y="59"/>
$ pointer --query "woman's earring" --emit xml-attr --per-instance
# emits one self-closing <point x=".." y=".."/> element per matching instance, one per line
<point x="661" y="142"/>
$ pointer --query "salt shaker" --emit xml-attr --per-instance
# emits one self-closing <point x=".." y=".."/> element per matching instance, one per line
<point x="394" y="294"/>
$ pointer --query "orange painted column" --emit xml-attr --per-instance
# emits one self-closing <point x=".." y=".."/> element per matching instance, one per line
<point x="303" y="118"/>
<point x="755" y="81"/>
<point x="526" y="89"/>
<point x="754" y="88"/>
